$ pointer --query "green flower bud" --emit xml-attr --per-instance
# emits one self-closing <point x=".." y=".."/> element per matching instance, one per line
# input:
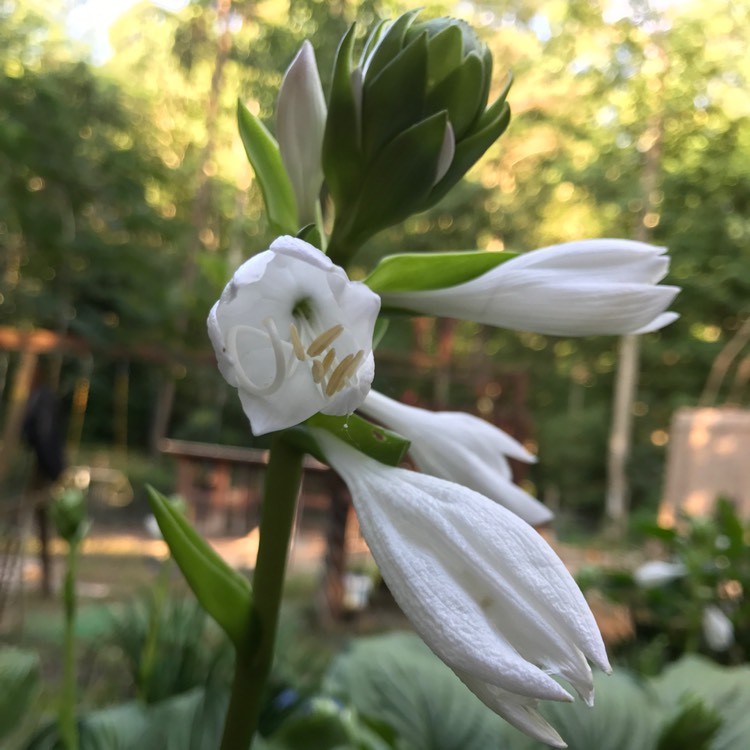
<point x="405" y="123"/>
<point x="68" y="513"/>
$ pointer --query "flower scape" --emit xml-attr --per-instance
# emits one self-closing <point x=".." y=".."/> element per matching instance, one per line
<point x="455" y="540"/>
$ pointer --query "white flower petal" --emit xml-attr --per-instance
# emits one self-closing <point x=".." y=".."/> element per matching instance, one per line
<point x="515" y="709"/>
<point x="484" y="590"/>
<point x="291" y="290"/>
<point x="461" y="448"/>
<point x="300" y="124"/>
<point x="575" y="289"/>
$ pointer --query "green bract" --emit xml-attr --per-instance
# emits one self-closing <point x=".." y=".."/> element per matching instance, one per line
<point x="405" y="123"/>
<point x="221" y="591"/>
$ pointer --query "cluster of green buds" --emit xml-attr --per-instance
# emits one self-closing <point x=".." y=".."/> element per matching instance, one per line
<point x="400" y="129"/>
<point x="406" y="123"/>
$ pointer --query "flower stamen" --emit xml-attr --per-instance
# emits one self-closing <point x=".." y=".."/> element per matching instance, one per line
<point x="318" y="373"/>
<point x="337" y="379"/>
<point x="354" y="365"/>
<point x="325" y="339"/>
<point x="328" y="360"/>
<point x="299" y="350"/>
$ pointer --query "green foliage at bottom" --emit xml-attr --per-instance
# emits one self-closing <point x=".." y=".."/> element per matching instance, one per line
<point x="390" y="692"/>
<point x="19" y="681"/>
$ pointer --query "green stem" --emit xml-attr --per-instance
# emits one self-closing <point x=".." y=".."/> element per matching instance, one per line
<point x="254" y="658"/>
<point x="152" y="636"/>
<point x="67" y="717"/>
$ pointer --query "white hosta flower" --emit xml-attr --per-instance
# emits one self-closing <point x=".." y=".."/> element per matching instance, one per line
<point x="461" y="448"/>
<point x="717" y="629"/>
<point x="574" y="289"/>
<point x="482" y="588"/>
<point x="294" y="335"/>
<point x="656" y="573"/>
<point x="300" y="124"/>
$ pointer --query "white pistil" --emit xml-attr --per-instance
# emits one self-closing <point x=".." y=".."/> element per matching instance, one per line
<point x="325" y="339"/>
<point x="278" y="354"/>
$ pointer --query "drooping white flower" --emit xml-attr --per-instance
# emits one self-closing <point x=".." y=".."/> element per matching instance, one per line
<point x="656" y="573"/>
<point x="300" y="124"/>
<point x="461" y="448"/>
<point x="606" y="286"/>
<point x="717" y="629"/>
<point x="482" y="588"/>
<point x="294" y="335"/>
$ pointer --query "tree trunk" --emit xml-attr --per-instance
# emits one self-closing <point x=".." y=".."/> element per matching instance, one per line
<point x="626" y="378"/>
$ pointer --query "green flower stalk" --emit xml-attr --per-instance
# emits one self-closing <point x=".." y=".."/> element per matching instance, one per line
<point x="69" y="516"/>
<point x="405" y="124"/>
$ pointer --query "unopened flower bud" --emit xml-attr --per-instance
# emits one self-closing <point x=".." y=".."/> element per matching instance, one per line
<point x="68" y="513"/>
<point x="300" y="122"/>
<point x="405" y="123"/>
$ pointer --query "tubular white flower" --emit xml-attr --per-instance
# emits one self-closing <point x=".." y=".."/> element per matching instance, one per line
<point x="482" y="588"/>
<point x="294" y="335"/>
<point x="591" y="287"/>
<point x="300" y="124"/>
<point x="717" y="629"/>
<point x="655" y="573"/>
<point x="461" y="448"/>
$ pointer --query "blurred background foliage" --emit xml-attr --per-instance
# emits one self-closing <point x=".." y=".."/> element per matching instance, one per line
<point x="126" y="202"/>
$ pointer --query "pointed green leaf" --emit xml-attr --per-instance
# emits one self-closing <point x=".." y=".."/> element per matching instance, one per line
<point x="415" y="272"/>
<point x="391" y="43"/>
<point x="372" y="41"/>
<point x="393" y="100"/>
<point x="468" y="153"/>
<point x="496" y="108"/>
<point x="445" y="53"/>
<point x="377" y="442"/>
<point x="263" y="152"/>
<point x="342" y="158"/>
<point x="461" y="94"/>
<point x="397" y="184"/>
<point x="221" y="591"/>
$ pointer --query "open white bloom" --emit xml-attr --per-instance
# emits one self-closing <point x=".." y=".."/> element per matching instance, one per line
<point x="294" y="335"/>
<point x="606" y="286"/>
<point x="300" y="124"/>
<point x="461" y="448"/>
<point x="717" y="629"/>
<point x="482" y="588"/>
<point x="656" y="573"/>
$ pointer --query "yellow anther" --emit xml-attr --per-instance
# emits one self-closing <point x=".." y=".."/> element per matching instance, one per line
<point x="353" y="365"/>
<point x="336" y="381"/>
<point x="299" y="350"/>
<point x="324" y="340"/>
<point x="328" y="360"/>
<point x="318" y="373"/>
